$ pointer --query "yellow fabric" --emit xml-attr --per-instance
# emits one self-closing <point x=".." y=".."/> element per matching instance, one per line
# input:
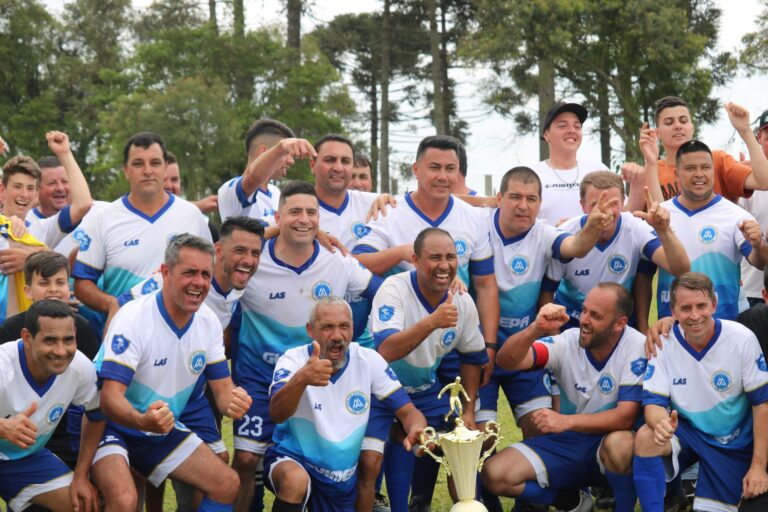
<point x="18" y="277"/>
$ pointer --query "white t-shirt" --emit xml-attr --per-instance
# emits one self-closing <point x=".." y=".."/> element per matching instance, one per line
<point x="259" y="205"/>
<point x="560" y="189"/>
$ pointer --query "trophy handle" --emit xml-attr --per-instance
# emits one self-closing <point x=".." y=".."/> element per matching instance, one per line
<point x="427" y="436"/>
<point x="491" y="431"/>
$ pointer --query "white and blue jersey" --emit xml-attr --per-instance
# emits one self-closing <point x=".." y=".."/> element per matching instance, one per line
<point x="125" y="246"/>
<point x="156" y="360"/>
<point x="276" y="306"/>
<point x="18" y="389"/>
<point x="715" y="245"/>
<point x="588" y="386"/>
<point x="327" y="429"/>
<point x="260" y="205"/>
<point x="618" y="260"/>
<point x="714" y="389"/>
<point x="68" y="243"/>
<point x="50" y="230"/>
<point x="401" y="225"/>
<point x="397" y="306"/>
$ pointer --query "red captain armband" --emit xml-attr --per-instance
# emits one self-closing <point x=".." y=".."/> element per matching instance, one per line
<point x="540" y="356"/>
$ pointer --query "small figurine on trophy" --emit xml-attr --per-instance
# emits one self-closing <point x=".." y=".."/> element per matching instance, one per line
<point x="462" y="449"/>
<point x="456" y="390"/>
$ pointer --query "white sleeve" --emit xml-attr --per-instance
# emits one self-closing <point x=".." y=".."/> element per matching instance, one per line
<point x="87" y="394"/>
<point x="388" y="311"/>
<point x="286" y="367"/>
<point x="377" y="237"/>
<point x="232" y="199"/>
<point x="359" y="276"/>
<point x="470" y="338"/>
<point x="92" y="250"/>
<point x="384" y="381"/>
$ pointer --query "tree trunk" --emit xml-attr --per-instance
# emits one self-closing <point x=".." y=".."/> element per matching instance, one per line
<point x="374" y="133"/>
<point x="294" y="24"/>
<point x="238" y="13"/>
<point x="604" y="127"/>
<point x="384" y="146"/>
<point x="447" y="96"/>
<point x="546" y="95"/>
<point x="212" y="16"/>
<point x="437" y="72"/>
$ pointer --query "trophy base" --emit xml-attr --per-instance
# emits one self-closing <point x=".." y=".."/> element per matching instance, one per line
<point x="468" y="506"/>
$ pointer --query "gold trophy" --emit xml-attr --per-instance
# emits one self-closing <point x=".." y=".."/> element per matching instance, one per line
<point x="461" y="450"/>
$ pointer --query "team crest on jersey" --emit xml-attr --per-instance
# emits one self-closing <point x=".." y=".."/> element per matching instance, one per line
<point x="461" y="247"/>
<point x="120" y="344"/>
<point x="359" y="230"/>
<point x="760" y="361"/>
<point x="321" y="289"/>
<point x="386" y="313"/>
<point x="606" y="383"/>
<point x="281" y="374"/>
<point x="391" y="373"/>
<point x="197" y="362"/>
<point x="708" y="234"/>
<point x="448" y="337"/>
<point x="356" y="402"/>
<point x="649" y="372"/>
<point x="82" y="239"/>
<point x="721" y="381"/>
<point x="519" y="265"/>
<point x="638" y="366"/>
<point x="149" y="286"/>
<point x="617" y="264"/>
<point x="54" y="414"/>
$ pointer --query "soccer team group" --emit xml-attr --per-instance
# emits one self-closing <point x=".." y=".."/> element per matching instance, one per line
<point x="325" y="319"/>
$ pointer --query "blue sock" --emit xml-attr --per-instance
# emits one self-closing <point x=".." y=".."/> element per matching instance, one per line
<point x="649" y="482"/>
<point x="208" y="505"/>
<point x="534" y="493"/>
<point x="425" y="471"/>
<point x="380" y="480"/>
<point x="398" y="470"/>
<point x="623" y="491"/>
<point x="257" y="504"/>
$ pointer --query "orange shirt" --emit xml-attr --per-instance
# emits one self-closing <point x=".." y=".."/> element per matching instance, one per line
<point x="730" y="176"/>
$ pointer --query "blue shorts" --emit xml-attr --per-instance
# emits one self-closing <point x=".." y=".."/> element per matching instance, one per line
<point x="526" y="391"/>
<point x="199" y="418"/>
<point x="253" y="432"/>
<point x="23" y="479"/>
<point x="322" y="496"/>
<point x="154" y="456"/>
<point x="565" y="461"/>
<point x="721" y="470"/>
<point x="449" y="368"/>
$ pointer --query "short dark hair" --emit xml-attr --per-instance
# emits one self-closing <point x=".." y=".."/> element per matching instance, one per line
<point x="691" y="146"/>
<point x="170" y="158"/>
<point x="362" y="160"/>
<point x="49" y="162"/>
<point x="522" y="174"/>
<point x="696" y="281"/>
<point x="21" y="165"/>
<point x="624" y="305"/>
<point x="45" y="263"/>
<point x="47" y="308"/>
<point x="267" y="127"/>
<point x="668" y="102"/>
<point x="293" y="188"/>
<point x="421" y="238"/>
<point x="144" y="140"/>
<point x="333" y="137"/>
<point x="242" y="223"/>
<point x="443" y="142"/>
<point x="177" y="243"/>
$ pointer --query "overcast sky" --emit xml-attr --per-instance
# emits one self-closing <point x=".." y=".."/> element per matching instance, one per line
<point x="493" y="146"/>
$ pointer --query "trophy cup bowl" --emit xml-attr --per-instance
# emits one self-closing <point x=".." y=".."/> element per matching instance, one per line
<point x="462" y="459"/>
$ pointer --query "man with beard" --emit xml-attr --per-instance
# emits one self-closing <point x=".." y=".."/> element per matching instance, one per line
<point x="416" y="322"/>
<point x="599" y="367"/>
<point x="715" y="232"/>
<point x="320" y="398"/>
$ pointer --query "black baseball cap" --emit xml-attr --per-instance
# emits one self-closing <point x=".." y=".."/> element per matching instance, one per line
<point x="762" y="121"/>
<point x="559" y="108"/>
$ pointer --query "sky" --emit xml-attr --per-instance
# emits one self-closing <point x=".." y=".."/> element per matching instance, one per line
<point x="493" y="147"/>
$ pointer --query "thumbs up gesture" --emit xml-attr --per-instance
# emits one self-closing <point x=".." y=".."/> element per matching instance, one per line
<point x="665" y="429"/>
<point x="446" y="315"/>
<point x="20" y="429"/>
<point x="316" y="371"/>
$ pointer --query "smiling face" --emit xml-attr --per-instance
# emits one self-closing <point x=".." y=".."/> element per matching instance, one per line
<point x="598" y="322"/>
<point x="239" y="254"/>
<point x="332" y="329"/>
<point x="19" y="195"/>
<point x="188" y="281"/>
<point x="436" y="172"/>
<point x="53" y="287"/>
<point x="333" y="167"/>
<point x="54" y="189"/>
<point x="145" y="171"/>
<point x="674" y="127"/>
<point x="52" y="349"/>
<point x="694" y="310"/>
<point x="436" y="265"/>
<point x="564" y="133"/>
<point x="298" y="219"/>
<point x="518" y="207"/>
<point x="696" y="176"/>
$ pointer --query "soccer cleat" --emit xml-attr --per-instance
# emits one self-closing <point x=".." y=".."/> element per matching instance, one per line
<point x="380" y="503"/>
<point x="585" y="503"/>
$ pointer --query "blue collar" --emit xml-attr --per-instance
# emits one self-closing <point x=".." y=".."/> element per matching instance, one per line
<point x="264" y="191"/>
<point x="691" y="213"/>
<point x="37" y="213"/>
<point x="340" y="209"/>
<point x="40" y="390"/>
<point x="697" y="355"/>
<point x="505" y="240"/>
<point x="218" y="288"/>
<point x="157" y="215"/>
<point x="168" y="320"/>
<point x="304" y="266"/>
<point x="598" y="365"/>
<point x="422" y="299"/>
<point x="434" y="223"/>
